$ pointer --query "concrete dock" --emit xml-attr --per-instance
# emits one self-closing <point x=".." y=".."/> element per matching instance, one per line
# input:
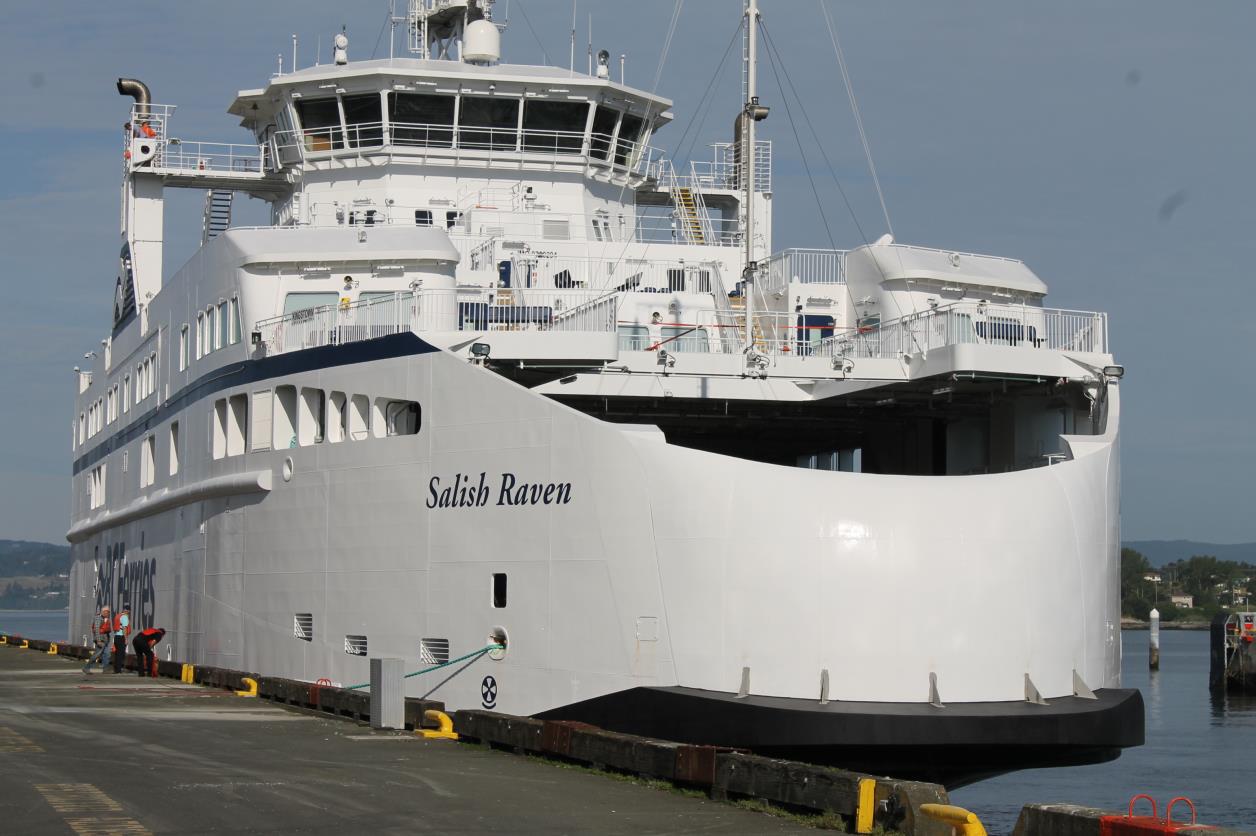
<point x="117" y="754"/>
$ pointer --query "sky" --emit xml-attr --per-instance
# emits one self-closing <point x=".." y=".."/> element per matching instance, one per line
<point x="1109" y="145"/>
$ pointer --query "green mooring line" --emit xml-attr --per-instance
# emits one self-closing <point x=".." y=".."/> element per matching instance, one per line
<point x="479" y="652"/>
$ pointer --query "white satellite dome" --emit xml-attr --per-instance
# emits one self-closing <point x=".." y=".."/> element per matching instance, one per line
<point x="481" y="43"/>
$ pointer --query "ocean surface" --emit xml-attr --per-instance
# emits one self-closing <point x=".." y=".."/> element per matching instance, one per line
<point x="1196" y="746"/>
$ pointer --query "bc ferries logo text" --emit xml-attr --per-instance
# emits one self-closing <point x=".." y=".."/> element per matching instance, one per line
<point x="468" y="492"/>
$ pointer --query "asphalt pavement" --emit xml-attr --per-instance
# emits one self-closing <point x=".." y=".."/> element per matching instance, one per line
<point x="117" y="755"/>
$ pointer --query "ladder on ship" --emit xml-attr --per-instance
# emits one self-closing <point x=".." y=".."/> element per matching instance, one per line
<point x="691" y="213"/>
<point x="217" y="217"/>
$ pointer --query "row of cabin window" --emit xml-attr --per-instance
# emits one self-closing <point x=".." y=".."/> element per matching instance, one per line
<point x="288" y="417"/>
<point x="97" y="479"/>
<point x="477" y="122"/>
<point x="217" y="326"/>
<point x="104" y="410"/>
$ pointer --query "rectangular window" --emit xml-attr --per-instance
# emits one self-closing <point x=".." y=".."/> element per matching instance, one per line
<point x="284" y="427"/>
<point x="604" y="120"/>
<point x="200" y="335"/>
<point x="221" y="339"/>
<point x="303" y="626"/>
<point x="152" y="373"/>
<point x="294" y="302"/>
<point x="310" y="422"/>
<point x="488" y="122"/>
<point x="183" y="348"/>
<point x="421" y="120"/>
<point x="554" y="127"/>
<point x="174" y="448"/>
<point x="499" y="590"/>
<point x="148" y="461"/>
<point x="96" y="487"/>
<point x="235" y="320"/>
<point x="261" y="420"/>
<point x="452" y="219"/>
<point x="218" y="430"/>
<point x="422" y="217"/>
<point x="237" y="423"/>
<point x="320" y="124"/>
<point x="211" y="328"/>
<point x="359" y="409"/>
<point x="336" y="417"/>
<point x="630" y="129"/>
<point x="355" y="645"/>
<point x="364" y="120"/>
<point x="126" y="393"/>
<point x="395" y="417"/>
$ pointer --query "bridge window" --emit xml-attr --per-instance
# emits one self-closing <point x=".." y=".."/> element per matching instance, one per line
<point x="422" y="120"/>
<point x="629" y="133"/>
<point x="320" y="124"/>
<point x="395" y="418"/>
<point x="604" y="120"/>
<point x="488" y="123"/>
<point x="422" y="217"/>
<point x="556" y="127"/>
<point x="364" y="120"/>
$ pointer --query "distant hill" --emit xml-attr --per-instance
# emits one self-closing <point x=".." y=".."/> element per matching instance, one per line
<point x="21" y="558"/>
<point x="1160" y="552"/>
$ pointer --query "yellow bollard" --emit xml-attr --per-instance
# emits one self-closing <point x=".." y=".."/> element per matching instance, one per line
<point x="4" y="639"/>
<point x="867" y="805"/>
<point x="250" y="690"/>
<point x="25" y="644"/>
<point x="446" y="730"/>
<point x="52" y="649"/>
<point x="964" y="822"/>
<point x="188" y="674"/>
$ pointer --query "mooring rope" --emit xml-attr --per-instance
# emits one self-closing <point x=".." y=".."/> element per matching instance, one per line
<point x="475" y="653"/>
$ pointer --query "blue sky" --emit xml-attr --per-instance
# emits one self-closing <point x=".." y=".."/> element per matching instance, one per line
<point x="1108" y="144"/>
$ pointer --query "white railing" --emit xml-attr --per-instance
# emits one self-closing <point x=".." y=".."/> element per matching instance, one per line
<point x="803" y="265"/>
<point x="179" y="156"/>
<point x="974" y="323"/>
<point x="445" y="140"/>
<point x="419" y="311"/>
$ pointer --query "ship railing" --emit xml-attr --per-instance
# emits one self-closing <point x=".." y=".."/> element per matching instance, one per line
<point x="417" y="311"/>
<point x="720" y="173"/>
<point x="446" y="143"/>
<point x="179" y="156"/>
<point x="808" y="266"/>
<point x="977" y="323"/>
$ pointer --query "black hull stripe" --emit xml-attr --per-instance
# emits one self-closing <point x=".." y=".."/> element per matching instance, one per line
<point x="253" y="371"/>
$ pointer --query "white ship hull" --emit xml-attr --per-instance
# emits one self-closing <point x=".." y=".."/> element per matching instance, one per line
<point x="635" y="564"/>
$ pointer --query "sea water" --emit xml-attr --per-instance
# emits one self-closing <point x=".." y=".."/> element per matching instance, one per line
<point x="1197" y="746"/>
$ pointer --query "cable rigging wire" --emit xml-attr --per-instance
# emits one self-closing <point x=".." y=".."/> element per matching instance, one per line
<point x="535" y="36"/>
<point x="854" y="108"/>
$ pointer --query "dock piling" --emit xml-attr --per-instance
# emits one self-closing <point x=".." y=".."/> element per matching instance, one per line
<point x="1153" y="647"/>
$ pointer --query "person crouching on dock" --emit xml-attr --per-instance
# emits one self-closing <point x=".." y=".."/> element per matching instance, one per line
<point x="103" y="640"/>
<point x="144" y="642"/>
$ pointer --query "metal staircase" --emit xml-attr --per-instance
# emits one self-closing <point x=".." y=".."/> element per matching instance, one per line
<point x="691" y="213"/>
<point x="217" y="217"/>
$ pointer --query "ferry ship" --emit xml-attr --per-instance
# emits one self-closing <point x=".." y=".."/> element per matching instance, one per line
<point x="500" y="375"/>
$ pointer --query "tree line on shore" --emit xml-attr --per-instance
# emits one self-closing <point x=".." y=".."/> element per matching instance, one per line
<point x="1214" y="586"/>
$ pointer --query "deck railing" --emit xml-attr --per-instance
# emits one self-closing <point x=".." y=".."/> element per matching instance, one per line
<point x="422" y="310"/>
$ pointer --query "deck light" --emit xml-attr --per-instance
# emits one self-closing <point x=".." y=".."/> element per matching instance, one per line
<point x="1114" y="372"/>
<point x="480" y="349"/>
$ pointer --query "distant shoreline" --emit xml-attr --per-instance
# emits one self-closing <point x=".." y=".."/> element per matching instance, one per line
<point x="1165" y="625"/>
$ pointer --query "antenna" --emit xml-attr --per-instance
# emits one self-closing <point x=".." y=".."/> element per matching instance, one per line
<point x="279" y="59"/>
<point x="294" y="52"/>
<point x="318" y="54"/>
<point x="623" y="56"/>
<point x="590" y="43"/>
<point x="571" y="64"/>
